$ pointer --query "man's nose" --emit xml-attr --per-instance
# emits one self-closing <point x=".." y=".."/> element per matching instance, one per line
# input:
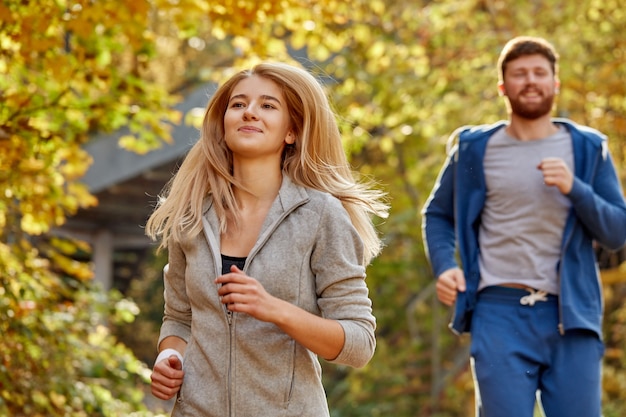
<point x="531" y="78"/>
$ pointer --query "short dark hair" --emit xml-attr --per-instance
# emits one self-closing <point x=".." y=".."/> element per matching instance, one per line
<point x="527" y="45"/>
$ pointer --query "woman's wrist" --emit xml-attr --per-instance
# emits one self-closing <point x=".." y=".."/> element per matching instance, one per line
<point x="166" y="353"/>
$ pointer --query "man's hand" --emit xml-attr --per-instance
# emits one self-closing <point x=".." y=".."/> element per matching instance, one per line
<point x="449" y="283"/>
<point x="556" y="173"/>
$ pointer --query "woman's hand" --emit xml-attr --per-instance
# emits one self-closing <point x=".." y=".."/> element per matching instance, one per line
<point x="245" y="294"/>
<point x="167" y="377"/>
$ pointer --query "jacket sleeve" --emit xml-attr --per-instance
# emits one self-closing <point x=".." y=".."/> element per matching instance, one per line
<point x="438" y="220"/>
<point x="337" y="262"/>
<point x="600" y="206"/>
<point x="177" y="313"/>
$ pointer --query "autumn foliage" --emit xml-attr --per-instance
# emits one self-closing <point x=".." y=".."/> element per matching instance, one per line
<point x="402" y="75"/>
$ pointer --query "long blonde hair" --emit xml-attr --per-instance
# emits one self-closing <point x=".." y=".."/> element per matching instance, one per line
<point x="316" y="160"/>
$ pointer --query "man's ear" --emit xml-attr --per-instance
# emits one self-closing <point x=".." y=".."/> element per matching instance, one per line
<point x="501" y="90"/>
<point x="557" y="85"/>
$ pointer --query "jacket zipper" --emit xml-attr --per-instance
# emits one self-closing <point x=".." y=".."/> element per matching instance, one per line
<point x="230" y="365"/>
<point x="229" y="314"/>
<point x="231" y="335"/>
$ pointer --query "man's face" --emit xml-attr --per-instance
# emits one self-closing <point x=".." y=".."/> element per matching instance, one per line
<point x="530" y="85"/>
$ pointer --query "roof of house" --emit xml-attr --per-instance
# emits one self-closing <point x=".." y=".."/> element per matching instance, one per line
<point x="127" y="184"/>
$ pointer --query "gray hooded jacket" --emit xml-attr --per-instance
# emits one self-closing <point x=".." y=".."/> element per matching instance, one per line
<point x="308" y="253"/>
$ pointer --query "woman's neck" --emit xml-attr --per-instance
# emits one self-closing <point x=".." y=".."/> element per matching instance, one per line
<point x="259" y="185"/>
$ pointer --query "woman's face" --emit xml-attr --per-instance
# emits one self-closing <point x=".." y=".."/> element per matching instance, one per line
<point x="257" y="121"/>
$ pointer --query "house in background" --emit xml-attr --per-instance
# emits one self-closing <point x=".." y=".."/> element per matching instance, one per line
<point x="126" y="185"/>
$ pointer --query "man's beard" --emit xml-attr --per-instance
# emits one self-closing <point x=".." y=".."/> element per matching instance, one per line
<point x="531" y="111"/>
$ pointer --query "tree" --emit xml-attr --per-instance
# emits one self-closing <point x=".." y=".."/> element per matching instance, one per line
<point x="65" y="73"/>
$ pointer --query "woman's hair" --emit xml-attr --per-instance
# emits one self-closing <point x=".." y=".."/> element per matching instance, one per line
<point x="316" y="160"/>
<point x="527" y="45"/>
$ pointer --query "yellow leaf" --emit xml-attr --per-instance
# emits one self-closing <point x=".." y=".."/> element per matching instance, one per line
<point x="194" y="117"/>
<point x="35" y="223"/>
<point x="614" y="275"/>
<point x="31" y="164"/>
<point x="5" y="15"/>
<point x="58" y="400"/>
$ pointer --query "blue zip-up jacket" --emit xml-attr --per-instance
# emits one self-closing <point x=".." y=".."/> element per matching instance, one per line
<point x="452" y="216"/>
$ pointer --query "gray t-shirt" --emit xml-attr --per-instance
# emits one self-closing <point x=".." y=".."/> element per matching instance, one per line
<point x="523" y="219"/>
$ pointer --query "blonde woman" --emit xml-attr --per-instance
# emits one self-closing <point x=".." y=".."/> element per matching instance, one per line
<point x="268" y="236"/>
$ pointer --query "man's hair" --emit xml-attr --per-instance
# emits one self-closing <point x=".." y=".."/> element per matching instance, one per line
<point x="527" y="45"/>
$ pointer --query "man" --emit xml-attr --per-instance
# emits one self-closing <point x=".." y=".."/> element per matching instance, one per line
<point x="524" y="200"/>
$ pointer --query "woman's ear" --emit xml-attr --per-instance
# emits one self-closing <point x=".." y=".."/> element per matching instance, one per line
<point x="291" y="138"/>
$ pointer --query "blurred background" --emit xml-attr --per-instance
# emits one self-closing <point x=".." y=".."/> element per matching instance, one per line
<point x="101" y="99"/>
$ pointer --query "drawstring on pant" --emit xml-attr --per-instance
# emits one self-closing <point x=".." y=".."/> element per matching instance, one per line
<point x="533" y="297"/>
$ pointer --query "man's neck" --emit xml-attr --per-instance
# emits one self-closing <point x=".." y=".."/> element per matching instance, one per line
<point x="525" y="129"/>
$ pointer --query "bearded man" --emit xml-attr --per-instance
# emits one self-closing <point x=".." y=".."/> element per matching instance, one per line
<point x="523" y="201"/>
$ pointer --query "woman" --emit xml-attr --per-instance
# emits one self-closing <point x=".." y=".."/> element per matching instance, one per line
<point x="268" y="237"/>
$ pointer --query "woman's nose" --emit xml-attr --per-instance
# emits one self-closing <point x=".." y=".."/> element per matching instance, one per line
<point x="249" y="113"/>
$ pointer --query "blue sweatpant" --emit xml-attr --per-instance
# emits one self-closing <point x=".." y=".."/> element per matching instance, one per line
<point x="517" y="350"/>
